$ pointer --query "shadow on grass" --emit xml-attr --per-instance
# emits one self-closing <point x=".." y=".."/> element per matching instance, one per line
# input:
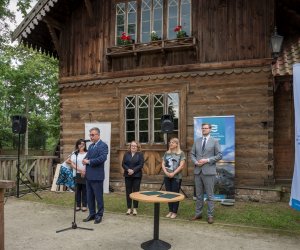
<point x="277" y="215"/>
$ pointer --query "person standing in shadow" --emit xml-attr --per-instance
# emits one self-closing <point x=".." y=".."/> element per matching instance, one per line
<point x="94" y="161"/>
<point x="133" y="162"/>
<point x="173" y="163"/>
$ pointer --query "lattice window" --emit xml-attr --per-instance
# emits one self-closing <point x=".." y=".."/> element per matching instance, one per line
<point x="179" y="13"/>
<point x="143" y="117"/>
<point x="158" y="111"/>
<point x="151" y="19"/>
<point x="131" y="17"/>
<point x="143" y="122"/>
<point x="130" y="118"/>
<point x="126" y="20"/>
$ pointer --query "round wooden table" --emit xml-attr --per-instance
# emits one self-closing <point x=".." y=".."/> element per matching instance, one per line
<point x="156" y="197"/>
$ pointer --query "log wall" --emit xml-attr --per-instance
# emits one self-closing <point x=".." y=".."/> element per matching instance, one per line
<point x="284" y="125"/>
<point x="224" y="30"/>
<point x="245" y="93"/>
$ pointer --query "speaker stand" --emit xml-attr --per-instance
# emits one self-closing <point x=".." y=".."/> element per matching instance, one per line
<point x="20" y="171"/>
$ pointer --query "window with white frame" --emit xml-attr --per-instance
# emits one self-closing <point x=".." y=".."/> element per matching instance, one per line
<point x="143" y="116"/>
<point x="126" y="20"/>
<point x="151" y="18"/>
<point x="179" y="13"/>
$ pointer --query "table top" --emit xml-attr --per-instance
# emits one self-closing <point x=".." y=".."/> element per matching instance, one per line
<point x="157" y="196"/>
<point x="7" y="184"/>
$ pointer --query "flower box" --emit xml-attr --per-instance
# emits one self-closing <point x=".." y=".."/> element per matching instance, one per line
<point x="151" y="46"/>
<point x="180" y="42"/>
<point x="121" y="49"/>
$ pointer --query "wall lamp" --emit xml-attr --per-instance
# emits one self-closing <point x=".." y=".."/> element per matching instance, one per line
<point x="276" y="43"/>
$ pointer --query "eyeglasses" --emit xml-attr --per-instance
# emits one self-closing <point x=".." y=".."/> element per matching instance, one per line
<point x="92" y="135"/>
<point x="205" y="128"/>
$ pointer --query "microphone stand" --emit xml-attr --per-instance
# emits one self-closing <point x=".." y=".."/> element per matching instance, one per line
<point x="74" y="225"/>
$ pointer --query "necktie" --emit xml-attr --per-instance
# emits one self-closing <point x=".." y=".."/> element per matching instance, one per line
<point x="203" y="145"/>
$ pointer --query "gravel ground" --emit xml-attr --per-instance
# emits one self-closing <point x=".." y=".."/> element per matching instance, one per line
<point x="31" y="225"/>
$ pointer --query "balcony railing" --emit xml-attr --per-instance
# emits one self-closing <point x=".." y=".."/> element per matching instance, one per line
<point x="153" y="46"/>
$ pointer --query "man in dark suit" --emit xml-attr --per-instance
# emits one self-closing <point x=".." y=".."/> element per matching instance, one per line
<point x="94" y="161"/>
<point x="206" y="151"/>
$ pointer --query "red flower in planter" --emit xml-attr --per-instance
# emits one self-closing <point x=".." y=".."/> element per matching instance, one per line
<point x="180" y="33"/>
<point x="124" y="39"/>
<point x="178" y="28"/>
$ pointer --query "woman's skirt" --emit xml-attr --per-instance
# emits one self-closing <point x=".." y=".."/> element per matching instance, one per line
<point x="65" y="177"/>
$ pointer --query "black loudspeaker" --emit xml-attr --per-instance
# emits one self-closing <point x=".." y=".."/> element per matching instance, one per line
<point x="19" y="124"/>
<point x="167" y="124"/>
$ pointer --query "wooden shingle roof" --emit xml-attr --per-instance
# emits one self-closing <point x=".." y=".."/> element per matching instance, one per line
<point x="284" y="63"/>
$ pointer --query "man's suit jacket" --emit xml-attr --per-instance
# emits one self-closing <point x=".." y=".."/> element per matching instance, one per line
<point x="97" y="154"/>
<point x="212" y="152"/>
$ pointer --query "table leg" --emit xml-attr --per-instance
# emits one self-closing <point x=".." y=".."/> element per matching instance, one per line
<point x="156" y="221"/>
<point x="156" y="243"/>
<point x="2" y="218"/>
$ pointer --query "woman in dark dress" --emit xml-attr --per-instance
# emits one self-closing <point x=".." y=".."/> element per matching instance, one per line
<point x="133" y="162"/>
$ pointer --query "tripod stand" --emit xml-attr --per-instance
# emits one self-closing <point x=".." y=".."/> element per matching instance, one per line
<point x="20" y="171"/>
<point x="74" y="225"/>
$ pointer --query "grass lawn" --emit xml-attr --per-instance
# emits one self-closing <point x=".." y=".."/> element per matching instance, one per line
<point x="264" y="215"/>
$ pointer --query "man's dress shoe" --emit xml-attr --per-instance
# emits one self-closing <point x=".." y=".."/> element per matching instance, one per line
<point x="196" y="218"/>
<point x="98" y="220"/>
<point x="90" y="217"/>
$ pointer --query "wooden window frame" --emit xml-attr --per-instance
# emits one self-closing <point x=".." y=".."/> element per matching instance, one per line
<point x="179" y="88"/>
<point x="165" y="23"/>
<point x="126" y="20"/>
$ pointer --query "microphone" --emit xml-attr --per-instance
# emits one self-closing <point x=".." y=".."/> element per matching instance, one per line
<point x="86" y="140"/>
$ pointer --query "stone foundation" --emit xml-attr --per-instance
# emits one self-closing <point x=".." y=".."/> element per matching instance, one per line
<point x="255" y="194"/>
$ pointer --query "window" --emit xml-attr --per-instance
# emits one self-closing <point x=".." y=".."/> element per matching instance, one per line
<point x="179" y="13"/>
<point x="126" y="19"/>
<point x="151" y="18"/>
<point x="143" y="116"/>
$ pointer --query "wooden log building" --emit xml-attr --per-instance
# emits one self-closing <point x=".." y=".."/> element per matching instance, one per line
<point x="222" y="66"/>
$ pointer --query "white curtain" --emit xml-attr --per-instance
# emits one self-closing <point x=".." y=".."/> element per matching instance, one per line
<point x="295" y="193"/>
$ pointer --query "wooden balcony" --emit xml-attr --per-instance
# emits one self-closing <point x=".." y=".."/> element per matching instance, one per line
<point x="153" y="47"/>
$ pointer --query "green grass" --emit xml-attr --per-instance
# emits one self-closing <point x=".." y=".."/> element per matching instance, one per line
<point x="277" y="215"/>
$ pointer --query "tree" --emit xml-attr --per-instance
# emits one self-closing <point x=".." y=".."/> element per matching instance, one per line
<point x="7" y="17"/>
<point x="28" y="86"/>
<point x="28" y="81"/>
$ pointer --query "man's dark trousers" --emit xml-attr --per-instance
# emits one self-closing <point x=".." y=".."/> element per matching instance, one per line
<point x="94" y="190"/>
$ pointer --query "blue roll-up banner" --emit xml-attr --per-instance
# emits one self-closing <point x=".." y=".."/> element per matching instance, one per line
<point x="223" y="128"/>
<point x="295" y="192"/>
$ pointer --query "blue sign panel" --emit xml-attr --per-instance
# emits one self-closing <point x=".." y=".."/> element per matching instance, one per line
<point x="223" y="128"/>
